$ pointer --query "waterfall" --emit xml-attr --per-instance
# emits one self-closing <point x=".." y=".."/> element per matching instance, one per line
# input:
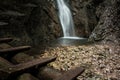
<point x="65" y="17"/>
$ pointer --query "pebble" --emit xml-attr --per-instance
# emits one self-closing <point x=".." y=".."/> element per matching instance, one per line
<point x="97" y="59"/>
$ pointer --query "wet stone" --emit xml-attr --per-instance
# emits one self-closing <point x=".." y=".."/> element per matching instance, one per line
<point x="48" y="73"/>
<point x="21" y="58"/>
<point x="27" y="76"/>
<point x="4" y="46"/>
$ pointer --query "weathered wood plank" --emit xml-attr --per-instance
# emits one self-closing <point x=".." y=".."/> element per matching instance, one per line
<point x="29" y="64"/>
<point x="14" y="70"/>
<point x="12" y="13"/>
<point x="5" y="40"/>
<point x="3" y="23"/>
<point x="15" y="49"/>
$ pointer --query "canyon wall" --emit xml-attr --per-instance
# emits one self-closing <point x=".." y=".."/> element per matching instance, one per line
<point x="36" y="22"/>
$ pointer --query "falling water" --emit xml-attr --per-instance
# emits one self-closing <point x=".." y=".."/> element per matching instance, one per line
<point x="66" y="20"/>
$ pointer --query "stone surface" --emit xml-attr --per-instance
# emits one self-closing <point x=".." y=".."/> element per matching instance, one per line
<point x="48" y="73"/>
<point x="108" y="28"/>
<point x="21" y="58"/>
<point x="27" y="76"/>
<point x="4" y="46"/>
<point x="84" y="16"/>
<point x="38" y="26"/>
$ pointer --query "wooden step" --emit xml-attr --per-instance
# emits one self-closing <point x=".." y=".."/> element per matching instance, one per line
<point x="12" y="13"/>
<point x="3" y="23"/>
<point x="5" y="40"/>
<point x="71" y="74"/>
<point x="15" y="49"/>
<point x="29" y="5"/>
<point x="35" y="62"/>
<point x="21" y="68"/>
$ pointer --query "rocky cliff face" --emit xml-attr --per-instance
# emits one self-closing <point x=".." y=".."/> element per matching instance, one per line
<point x="36" y="22"/>
<point x="29" y="22"/>
<point x="108" y="28"/>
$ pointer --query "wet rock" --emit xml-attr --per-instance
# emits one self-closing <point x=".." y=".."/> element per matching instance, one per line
<point x="48" y="73"/>
<point x="40" y="30"/>
<point x="21" y="58"/>
<point x="4" y="63"/>
<point x="4" y="46"/>
<point x="87" y="20"/>
<point x="27" y="76"/>
<point x="108" y="29"/>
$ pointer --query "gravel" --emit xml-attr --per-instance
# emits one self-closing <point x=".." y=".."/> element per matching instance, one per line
<point x="99" y="61"/>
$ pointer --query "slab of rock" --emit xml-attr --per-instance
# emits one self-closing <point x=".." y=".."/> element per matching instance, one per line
<point x="48" y="73"/>
<point x="4" y="63"/>
<point x="27" y="76"/>
<point x="4" y="46"/>
<point x="21" y="58"/>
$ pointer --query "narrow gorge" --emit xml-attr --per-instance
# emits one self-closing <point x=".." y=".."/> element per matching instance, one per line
<point x="49" y="39"/>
